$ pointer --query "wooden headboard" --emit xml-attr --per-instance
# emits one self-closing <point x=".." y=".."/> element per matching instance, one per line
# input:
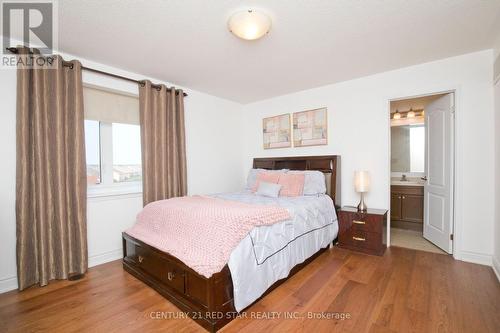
<point x="330" y="165"/>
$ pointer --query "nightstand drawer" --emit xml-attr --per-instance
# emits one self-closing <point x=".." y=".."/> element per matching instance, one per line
<point x="361" y="239"/>
<point x="362" y="222"/>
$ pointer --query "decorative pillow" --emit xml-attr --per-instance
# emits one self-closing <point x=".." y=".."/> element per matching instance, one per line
<point x="268" y="189"/>
<point x="314" y="183"/>
<point x="292" y="184"/>
<point x="268" y="177"/>
<point x="252" y="176"/>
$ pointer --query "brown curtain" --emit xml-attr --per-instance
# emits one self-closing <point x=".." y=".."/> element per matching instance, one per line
<point x="51" y="189"/>
<point x="163" y="142"/>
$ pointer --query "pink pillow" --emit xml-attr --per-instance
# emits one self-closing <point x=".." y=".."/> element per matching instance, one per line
<point x="292" y="185"/>
<point x="268" y="177"/>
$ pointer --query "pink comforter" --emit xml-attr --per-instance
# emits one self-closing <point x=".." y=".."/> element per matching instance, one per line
<point x="201" y="231"/>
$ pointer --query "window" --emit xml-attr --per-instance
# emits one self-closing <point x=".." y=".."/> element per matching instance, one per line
<point x="112" y="142"/>
<point x="92" y="146"/>
<point x="126" y="153"/>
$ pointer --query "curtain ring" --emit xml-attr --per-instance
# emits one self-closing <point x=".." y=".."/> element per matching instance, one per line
<point x="158" y="88"/>
<point x="50" y="60"/>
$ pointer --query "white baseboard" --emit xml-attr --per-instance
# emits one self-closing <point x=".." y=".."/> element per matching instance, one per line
<point x="496" y="267"/>
<point x="10" y="283"/>
<point x="476" y="258"/>
<point x="105" y="257"/>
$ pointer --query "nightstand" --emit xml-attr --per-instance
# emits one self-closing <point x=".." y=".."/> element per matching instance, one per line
<point x="362" y="231"/>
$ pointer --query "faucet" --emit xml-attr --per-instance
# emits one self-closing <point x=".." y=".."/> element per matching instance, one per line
<point x="403" y="178"/>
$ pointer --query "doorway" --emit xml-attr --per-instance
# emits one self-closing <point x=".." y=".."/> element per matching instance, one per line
<point x="421" y="189"/>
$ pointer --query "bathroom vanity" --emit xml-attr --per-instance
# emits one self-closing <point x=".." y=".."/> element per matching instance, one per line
<point x="407" y="205"/>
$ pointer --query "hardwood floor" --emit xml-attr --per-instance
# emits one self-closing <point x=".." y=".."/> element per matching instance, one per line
<point x="403" y="291"/>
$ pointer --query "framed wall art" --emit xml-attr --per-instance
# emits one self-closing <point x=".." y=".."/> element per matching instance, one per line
<point x="310" y="128"/>
<point x="277" y="132"/>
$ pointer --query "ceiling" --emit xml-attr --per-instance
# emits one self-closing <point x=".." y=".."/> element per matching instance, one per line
<point x="311" y="42"/>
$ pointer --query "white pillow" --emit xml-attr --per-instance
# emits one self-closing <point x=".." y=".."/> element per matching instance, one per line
<point x="252" y="176"/>
<point x="268" y="189"/>
<point x="314" y="182"/>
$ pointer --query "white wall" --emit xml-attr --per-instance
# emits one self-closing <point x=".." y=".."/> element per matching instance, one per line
<point x="214" y="165"/>
<point x="359" y="132"/>
<point x="496" y="47"/>
<point x="8" y="180"/>
<point x="496" y="256"/>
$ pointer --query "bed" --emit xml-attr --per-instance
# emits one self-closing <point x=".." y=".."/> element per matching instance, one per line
<point x="265" y="258"/>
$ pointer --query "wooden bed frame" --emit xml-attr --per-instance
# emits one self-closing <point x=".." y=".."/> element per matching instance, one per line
<point x="209" y="301"/>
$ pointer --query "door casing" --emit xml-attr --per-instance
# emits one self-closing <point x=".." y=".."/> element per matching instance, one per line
<point x="455" y="221"/>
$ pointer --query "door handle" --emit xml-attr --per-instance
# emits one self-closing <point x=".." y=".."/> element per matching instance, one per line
<point x="424" y="178"/>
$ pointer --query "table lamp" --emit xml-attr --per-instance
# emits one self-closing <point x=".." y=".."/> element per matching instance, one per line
<point x="362" y="185"/>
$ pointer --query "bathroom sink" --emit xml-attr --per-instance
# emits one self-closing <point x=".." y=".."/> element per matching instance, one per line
<point x="406" y="183"/>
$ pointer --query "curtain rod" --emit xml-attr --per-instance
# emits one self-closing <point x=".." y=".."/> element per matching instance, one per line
<point x="15" y="50"/>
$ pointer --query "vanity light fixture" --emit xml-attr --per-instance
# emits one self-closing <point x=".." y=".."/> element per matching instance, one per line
<point x="396" y="115"/>
<point x="410" y="114"/>
<point x="249" y="24"/>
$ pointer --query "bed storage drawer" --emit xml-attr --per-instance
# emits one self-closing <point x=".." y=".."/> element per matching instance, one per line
<point x="160" y="268"/>
<point x="168" y="272"/>
<point x="197" y="288"/>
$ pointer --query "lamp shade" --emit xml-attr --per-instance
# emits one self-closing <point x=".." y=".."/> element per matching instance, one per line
<point x="249" y="24"/>
<point x="361" y="181"/>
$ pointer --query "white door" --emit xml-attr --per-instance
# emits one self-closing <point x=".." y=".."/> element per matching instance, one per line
<point x="438" y="191"/>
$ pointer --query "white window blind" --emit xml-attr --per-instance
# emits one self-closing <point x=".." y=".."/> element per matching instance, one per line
<point x="110" y="107"/>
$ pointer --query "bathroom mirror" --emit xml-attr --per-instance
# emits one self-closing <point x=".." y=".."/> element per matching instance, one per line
<point x="408" y="148"/>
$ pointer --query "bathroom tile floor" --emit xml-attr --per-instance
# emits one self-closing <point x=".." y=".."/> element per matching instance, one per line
<point x="412" y="240"/>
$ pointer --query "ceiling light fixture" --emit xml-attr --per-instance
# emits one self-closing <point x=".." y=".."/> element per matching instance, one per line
<point x="249" y="24"/>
